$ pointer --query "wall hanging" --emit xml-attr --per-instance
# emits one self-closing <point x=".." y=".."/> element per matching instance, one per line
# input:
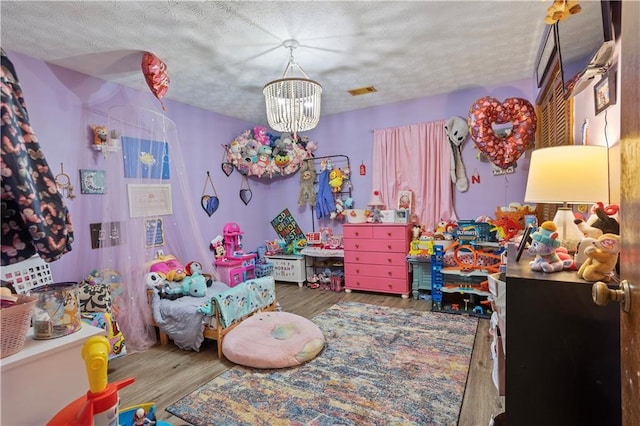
<point x="209" y="203"/>
<point x="502" y="131"/>
<point x="256" y="152"/>
<point x="92" y="181"/>
<point x="63" y="182"/>
<point x="245" y="191"/>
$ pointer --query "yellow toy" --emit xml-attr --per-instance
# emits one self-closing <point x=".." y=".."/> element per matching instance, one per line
<point x="602" y="256"/>
<point x="335" y="179"/>
<point x="560" y="9"/>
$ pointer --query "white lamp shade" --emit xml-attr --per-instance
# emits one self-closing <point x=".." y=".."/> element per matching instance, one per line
<point x="571" y="174"/>
<point x="376" y="199"/>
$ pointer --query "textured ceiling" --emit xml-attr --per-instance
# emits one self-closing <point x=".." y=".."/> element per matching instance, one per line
<point x="220" y="54"/>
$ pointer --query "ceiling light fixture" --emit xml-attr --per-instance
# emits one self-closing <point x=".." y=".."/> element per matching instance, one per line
<point x="293" y="103"/>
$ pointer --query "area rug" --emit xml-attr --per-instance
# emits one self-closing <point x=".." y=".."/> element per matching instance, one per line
<point x="380" y="366"/>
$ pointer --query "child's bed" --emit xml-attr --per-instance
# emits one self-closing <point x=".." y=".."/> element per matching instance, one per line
<point x="189" y="320"/>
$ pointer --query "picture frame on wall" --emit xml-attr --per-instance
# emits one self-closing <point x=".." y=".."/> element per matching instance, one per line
<point x="149" y="200"/>
<point x="604" y="92"/>
<point x="92" y="181"/>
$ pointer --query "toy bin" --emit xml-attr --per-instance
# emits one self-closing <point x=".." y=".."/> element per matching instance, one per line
<point x="264" y="269"/>
<point x="56" y="311"/>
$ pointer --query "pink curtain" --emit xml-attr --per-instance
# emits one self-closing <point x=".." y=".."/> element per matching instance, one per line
<point x="416" y="158"/>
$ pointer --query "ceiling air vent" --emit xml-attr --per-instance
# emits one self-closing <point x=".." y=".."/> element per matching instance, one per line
<point x="362" y="91"/>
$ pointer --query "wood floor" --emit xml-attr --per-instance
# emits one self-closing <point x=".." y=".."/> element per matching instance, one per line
<point x="164" y="374"/>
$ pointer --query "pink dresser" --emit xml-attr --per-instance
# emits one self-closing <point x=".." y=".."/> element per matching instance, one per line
<point x="375" y="257"/>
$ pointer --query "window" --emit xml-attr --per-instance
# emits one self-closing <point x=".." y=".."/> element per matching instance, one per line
<point x="555" y="122"/>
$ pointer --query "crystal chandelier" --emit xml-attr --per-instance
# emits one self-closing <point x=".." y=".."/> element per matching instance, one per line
<point x="293" y="103"/>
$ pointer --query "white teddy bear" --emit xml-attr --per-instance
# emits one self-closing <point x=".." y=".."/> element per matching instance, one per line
<point x="457" y="130"/>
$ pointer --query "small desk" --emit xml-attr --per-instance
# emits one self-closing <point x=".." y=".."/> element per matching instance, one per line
<point x="43" y="377"/>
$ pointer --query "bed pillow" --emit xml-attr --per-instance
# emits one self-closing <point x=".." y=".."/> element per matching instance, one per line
<point x="94" y="297"/>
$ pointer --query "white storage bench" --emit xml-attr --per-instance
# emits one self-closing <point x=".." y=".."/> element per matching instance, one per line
<point x="288" y="268"/>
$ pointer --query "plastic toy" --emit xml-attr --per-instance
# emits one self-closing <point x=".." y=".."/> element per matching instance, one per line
<point x="602" y="256"/>
<point x="99" y="405"/>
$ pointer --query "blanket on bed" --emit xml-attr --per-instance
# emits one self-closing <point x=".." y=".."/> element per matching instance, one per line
<point x="180" y="318"/>
<point x="244" y="299"/>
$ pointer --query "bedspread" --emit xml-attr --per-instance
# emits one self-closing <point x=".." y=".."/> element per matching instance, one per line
<point x="180" y="318"/>
<point x="239" y="301"/>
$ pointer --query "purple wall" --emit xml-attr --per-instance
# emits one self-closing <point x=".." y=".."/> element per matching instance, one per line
<point x="64" y="104"/>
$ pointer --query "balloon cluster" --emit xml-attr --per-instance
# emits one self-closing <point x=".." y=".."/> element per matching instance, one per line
<point x="502" y="131"/>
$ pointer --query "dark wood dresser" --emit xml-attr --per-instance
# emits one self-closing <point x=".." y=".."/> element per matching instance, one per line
<point x="562" y="351"/>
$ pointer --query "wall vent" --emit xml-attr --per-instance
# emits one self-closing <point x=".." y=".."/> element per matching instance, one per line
<point x="362" y="91"/>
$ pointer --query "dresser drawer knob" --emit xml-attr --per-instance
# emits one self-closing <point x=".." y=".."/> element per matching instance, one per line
<point x="389" y="246"/>
<point x="357" y="234"/>
<point x="357" y="271"/>
<point x="390" y="273"/>
<point x="388" y="234"/>
<point x="357" y="258"/>
<point x="357" y="245"/>
<point x="389" y="260"/>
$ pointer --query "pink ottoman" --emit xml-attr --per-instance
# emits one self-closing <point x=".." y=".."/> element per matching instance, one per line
<point x="273" y="340"/>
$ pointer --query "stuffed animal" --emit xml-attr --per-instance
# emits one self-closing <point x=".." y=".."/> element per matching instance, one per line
<point x="100" y="134"/>
<point x="543" y="245"/>
<point x="335" y="179"/>
<point x="170" y="267"/>
<point x="602" y="256"/>
<point x="260" y="135"/>
<point x="560" y="9"/>
<point x="457" y="130"/>
<point x="307" y="178"/>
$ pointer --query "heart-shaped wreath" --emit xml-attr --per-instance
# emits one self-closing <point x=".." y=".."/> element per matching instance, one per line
<point x="502" y="131"/>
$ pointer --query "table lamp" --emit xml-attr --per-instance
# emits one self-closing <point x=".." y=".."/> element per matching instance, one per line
<point x="376" y="204"/>
<point x="568" y="174"/>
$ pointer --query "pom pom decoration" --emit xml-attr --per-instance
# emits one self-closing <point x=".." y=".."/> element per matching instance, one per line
<point x="155" y="73"/>
<point x="502" y="131"/>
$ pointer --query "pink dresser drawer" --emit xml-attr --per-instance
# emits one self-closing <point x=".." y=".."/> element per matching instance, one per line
<point x="357" y="231"/>
<point x="375" y="258"/>
<point x="383" y="285"/>
<point x="384" y="246"/>
<point x="372" y="270"/>
<point x="390" y="232"/>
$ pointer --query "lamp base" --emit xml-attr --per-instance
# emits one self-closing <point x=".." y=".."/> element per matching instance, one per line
<point x="568" y="231"/>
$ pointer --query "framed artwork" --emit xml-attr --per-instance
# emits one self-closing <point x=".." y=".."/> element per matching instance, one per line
<point x="106" y="234"/>
<point x="404" y="200"/>
<point x="145" y="158"/>
<point x="402" y="216"/>
<point x="546" y="53"/>
<point x="149" y="200"/>
<point x="604" y="92"/>
<point x="154" y="230"/>
<point x="92" y="181"/>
